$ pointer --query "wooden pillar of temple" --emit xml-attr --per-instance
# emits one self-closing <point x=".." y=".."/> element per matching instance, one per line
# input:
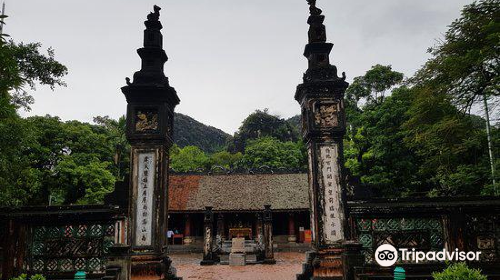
<point x="208" y="238"/>
<point x="14" y="245"/>
<point x="259" y="235"/>
<point x="221" y="236"/>
<point x="268" y="236"/>
<point x="8" y="244"/>
<point x="188" y="239"/>
<point x="292" y="237"/>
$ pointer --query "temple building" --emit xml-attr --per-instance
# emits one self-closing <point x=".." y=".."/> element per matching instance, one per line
<point x="238" y="201"/>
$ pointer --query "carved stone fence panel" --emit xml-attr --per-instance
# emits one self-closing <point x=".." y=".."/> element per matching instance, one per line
<point x="423" y="234"/>
<point x="58" y="241"/>
<point x="69" y="247"/>
<point x="428" y="224"/>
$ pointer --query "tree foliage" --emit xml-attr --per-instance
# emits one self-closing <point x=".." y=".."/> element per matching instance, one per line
<point x="262" y="124"/>
<point x="269" y="151"/>
<point x="21" y="65"/>
<point x="189" y="158"/>
<point x="373" y="85"/>
<point x="460" y="271"/>
<point x="416" y="142"/>
<point x="451" y="145"/>
<point x="465" y="65"/>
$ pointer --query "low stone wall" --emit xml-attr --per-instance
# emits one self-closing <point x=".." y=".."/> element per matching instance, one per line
<point x="57" y="241"/>
<point x="427" y="224"/>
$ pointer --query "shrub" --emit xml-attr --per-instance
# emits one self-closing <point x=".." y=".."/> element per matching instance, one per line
<point x="25" y="277"/>
<point x="459" y="271"/>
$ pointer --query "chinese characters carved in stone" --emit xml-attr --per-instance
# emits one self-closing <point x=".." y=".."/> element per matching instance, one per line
<point x="145" y="189"/>
<point x="332" y="212"/>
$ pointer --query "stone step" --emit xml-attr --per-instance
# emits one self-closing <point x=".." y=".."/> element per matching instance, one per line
<point x="112" y="271"/>
<point x="250" y="259"/>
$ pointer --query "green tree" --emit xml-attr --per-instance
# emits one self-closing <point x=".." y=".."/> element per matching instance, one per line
<point x="83" y="179"/>
<point x="465" y="65"/>
<point x="19" y="181"/>
<point x="189" y="158"/>
<point x="373" y="139"/>
<point x="459" y="271"/>
<point x="377" y="155"/>
<point x="269" y="151"/>
<point x="225" y="159"/>
<point x="82" y="146"/>
<point x="21" y="65"/>
<point x="262" y="124"/>
<point x="30" y="67"/>
<point x="451" y="145"/>
<point x="115" y="134"/>
<point x="373" y="85"/>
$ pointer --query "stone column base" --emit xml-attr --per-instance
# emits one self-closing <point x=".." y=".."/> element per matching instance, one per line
<point x="292" y="239"/>
<point x="334" y="263"/>
<point x="152" y="267"/>
<point x="118" y="266"/>
<point x="188" y="240"/>
<point x="208" y="262"/>
<point x="269" y="261"/>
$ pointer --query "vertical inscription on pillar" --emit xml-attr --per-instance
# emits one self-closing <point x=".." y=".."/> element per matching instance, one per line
<point x="145" y="191"/>
<point x="312" y="197"/>
<point x="333" y="212"/>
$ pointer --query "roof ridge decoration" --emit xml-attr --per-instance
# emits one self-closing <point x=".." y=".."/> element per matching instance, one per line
<point x="221" y="170"/>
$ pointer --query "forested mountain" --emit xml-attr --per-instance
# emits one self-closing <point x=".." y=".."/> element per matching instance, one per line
<point x="190" y="132"/>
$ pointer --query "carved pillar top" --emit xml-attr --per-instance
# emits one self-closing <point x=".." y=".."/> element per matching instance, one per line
<point x="150" y="97"/>
<point x="317" y="51"/>
<point x="322" y="90"/>
<point x="209" y="215"/>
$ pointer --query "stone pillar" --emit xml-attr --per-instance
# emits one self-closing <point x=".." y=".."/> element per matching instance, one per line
<point x="268" y="236"/>
<point x="150" y="112"/>
<point x="321" y="97"/>
<point x="292" y="237"/>
<point x="221" y="235"/>
<point x="208" y="238"/>
<point x="118" y="265"/>
<point x="188" y="239"/>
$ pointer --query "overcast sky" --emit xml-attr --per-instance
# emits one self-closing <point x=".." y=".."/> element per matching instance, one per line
<point x="227" y="58"/>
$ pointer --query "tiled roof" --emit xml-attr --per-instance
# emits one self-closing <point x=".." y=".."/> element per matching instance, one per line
<point x="238" y="191"/>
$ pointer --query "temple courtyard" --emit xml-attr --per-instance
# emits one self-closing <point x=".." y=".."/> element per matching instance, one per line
<point x="288" y="264"/>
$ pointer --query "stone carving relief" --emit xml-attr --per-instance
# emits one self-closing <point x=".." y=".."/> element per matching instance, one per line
<point x="146" y="121"/>
<point x="325" y="114"/>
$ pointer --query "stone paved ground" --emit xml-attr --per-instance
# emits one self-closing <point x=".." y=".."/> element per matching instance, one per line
<point x="287" y="265"/>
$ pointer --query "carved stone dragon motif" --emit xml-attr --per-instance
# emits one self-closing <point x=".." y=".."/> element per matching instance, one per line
<point x="154" y="16"/>
<point x="315" y="11"/>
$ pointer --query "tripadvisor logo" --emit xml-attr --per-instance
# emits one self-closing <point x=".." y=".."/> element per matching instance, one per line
<point x="387" y="255"/>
